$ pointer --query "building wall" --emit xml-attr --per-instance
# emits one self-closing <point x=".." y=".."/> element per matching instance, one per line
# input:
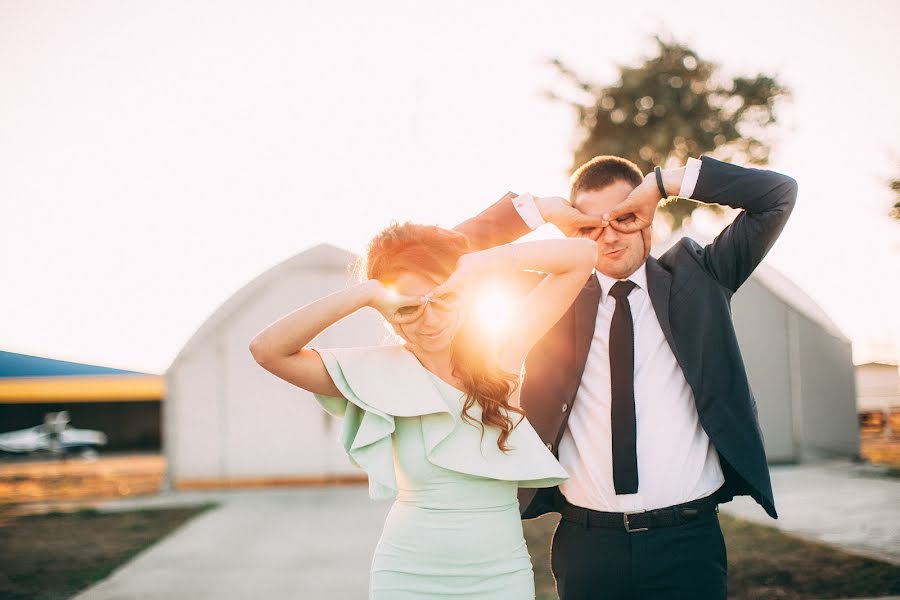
<point x="877" y="387"/>
<point x="760" y="321"/>
<point x="192" y="417"/>
<point x="801" y="375"/>
<point x="228" y="418"/>
<point x="828" y="393"/>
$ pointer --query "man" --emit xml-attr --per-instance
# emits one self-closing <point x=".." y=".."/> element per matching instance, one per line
<point x="640" y="389"/>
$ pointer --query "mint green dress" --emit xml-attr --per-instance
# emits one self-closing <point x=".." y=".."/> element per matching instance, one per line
<point x="454" y="529"/>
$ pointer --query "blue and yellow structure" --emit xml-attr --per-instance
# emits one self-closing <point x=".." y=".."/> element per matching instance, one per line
<point x="123" y="404"/>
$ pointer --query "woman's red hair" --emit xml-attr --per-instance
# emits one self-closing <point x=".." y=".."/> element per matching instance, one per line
<point x="433" y="251"/>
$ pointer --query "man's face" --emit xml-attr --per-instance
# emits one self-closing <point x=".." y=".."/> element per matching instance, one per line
<point x="618" y="254"/>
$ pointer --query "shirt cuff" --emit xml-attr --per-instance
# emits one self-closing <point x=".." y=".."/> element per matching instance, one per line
<point x="528" y="210"/>
<point x="691" y="173"/>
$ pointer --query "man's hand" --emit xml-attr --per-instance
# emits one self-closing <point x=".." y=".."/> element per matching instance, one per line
<point x="566" y="217"/>
<point x="574" y="223"/>
<point x="636" y="212"/>
<point x="646" y="235"/>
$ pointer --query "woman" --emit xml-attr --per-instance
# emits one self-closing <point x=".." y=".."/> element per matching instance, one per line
<point x="430" y="420"/>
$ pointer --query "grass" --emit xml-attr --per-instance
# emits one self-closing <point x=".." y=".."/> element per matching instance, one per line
<point x="763" y="562"/>
<point x="55" y="555"/>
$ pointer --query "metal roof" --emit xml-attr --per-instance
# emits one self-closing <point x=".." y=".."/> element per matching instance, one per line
<point x="13" y="364"/>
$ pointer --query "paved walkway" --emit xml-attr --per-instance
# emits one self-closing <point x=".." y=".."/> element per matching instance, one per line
<point x="318" y="542"/>
<point x="286" y="543"/>
<point x="837" y="502"/>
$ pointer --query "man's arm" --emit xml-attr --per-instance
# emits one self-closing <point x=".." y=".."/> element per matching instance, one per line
<point x="498" y="224"/>
<point x="766" y="197"/>
<point x="513" y="216"/>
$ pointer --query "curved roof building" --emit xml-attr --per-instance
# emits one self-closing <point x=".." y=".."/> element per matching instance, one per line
<point x="227" y="421"/>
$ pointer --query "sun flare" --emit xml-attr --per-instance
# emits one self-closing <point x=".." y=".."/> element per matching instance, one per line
<point x="493" y="309"/>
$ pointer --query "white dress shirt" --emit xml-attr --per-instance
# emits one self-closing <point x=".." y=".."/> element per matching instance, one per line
<point x="676" y="460"/>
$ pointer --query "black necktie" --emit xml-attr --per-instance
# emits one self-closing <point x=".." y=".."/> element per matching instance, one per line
<point x="621" y="369"/>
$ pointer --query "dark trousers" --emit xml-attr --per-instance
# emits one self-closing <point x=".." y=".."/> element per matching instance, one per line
<point x="686" y="561"/>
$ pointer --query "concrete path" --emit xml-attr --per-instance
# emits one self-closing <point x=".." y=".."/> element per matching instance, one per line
<point x="840" y="503"/>
<point x="285" y="543"/>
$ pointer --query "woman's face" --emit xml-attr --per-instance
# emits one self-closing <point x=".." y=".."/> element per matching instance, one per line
<point x="434" y="328"/>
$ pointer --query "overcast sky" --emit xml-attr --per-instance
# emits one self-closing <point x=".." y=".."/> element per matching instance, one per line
<point x="156" y="156"/>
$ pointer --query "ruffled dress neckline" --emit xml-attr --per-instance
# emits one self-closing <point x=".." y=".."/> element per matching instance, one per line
<point x="380" y="383"/>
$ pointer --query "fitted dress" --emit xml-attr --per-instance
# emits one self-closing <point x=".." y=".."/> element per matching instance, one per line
<point x="454" y="529"/>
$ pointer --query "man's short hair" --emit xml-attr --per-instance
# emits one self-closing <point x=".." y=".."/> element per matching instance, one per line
<point x="602" y="171"/>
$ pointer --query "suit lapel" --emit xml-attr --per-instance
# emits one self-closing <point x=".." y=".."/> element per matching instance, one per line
<point x="659" y="282"/>
<point x="586" y="305"/>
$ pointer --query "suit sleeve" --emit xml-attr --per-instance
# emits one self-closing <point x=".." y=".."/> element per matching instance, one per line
<point x="767" y="199"/>
<point x="498" y="224"/>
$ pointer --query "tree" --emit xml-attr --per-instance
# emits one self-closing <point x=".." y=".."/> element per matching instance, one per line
<point x="672" y="106"/>
<point x="895" y="186"/>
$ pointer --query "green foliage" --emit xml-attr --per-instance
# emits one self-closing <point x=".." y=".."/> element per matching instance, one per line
<point x="895" y="186"/>
<point x="673" y="106"/>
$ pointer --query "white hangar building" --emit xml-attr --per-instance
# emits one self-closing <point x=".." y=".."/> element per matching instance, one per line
<point x="228" y="422"/>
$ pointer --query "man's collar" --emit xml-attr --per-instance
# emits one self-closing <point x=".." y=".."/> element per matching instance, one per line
<point x="606" y="282"/>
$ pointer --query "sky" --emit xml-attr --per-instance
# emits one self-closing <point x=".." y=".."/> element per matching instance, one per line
<point x="157" y="156"/>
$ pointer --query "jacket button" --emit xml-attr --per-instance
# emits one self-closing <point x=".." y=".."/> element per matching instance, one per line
<point x="565" y="407"/>
<point x="549" y="446"/>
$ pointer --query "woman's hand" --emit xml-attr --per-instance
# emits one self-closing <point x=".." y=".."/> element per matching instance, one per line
<point x="470" y="270"/>
<point x="568" y="219"/>
<point x="394" y="307"/>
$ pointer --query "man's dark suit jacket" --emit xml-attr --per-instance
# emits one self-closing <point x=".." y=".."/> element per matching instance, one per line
<point x="690" y="287"/>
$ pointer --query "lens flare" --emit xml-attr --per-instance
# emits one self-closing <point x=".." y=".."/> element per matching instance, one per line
<point x="493" y="309"/>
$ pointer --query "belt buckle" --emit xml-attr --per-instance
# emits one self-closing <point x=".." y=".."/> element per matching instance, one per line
<point x="628" y="525"/>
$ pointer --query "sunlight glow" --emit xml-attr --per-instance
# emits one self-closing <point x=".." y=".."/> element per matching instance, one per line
<point x="493" y="309"/>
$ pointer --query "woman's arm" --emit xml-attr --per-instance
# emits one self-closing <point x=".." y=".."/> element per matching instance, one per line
<point x="500" y="223"/>
<point x="281" y="348"/>
<point x="568" y="262"/>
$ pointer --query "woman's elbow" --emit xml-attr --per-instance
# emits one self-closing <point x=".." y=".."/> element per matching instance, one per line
<point x="257" y="350"/>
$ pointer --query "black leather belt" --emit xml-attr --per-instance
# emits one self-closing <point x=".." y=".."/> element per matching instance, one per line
<point x="639" y="520"/>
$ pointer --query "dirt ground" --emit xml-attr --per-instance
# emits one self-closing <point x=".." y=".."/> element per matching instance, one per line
<point x="54" y="555"/>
